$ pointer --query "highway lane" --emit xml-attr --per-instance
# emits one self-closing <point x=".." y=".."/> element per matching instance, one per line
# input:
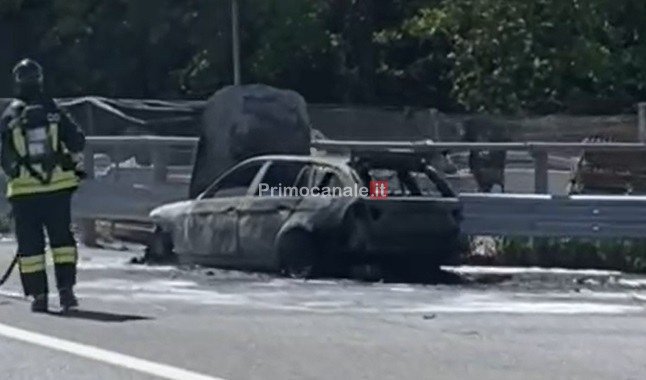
<point x="18" y="361"/>
<point x="230" y="325"/>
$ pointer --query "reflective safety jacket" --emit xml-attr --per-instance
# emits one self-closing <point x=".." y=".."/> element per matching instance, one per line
<point x="38" y="140"/>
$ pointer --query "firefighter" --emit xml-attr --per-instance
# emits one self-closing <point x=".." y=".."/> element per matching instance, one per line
<point x="40" y="156"/>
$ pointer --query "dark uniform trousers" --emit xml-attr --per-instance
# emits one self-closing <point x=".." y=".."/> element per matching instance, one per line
<point x="33" y="214"/>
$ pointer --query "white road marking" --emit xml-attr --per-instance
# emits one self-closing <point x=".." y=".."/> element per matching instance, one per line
<point x="120" y="360"/>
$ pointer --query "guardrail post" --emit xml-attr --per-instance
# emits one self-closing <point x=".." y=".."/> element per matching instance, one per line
<point x="160" y="163"/>
<point x="87" y="231"/>
<point x="540" y="172"/>
<point x="87" y="226"/>
<point x="641" y="107"/>
<point x="118" y="154"/>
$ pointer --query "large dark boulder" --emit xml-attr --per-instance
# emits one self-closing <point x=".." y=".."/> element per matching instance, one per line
<point x="240" y="122"/>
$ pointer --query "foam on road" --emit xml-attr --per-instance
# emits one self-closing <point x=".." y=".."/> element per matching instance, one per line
<point x="108" y="276"/>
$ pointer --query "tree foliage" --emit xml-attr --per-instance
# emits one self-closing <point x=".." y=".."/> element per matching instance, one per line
<point x="514" y="54"/>
<point x="476" y="55"/>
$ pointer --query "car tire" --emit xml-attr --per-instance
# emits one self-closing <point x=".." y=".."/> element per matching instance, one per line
<point x="298" y="256"/>
<point x="356" y="230"/>
<point x="160" y="247"/>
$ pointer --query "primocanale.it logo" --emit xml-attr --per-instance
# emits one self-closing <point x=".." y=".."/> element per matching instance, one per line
<point x="377" y="190"/>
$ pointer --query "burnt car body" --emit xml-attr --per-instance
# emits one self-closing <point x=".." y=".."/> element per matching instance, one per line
<point x="238" y="223"/>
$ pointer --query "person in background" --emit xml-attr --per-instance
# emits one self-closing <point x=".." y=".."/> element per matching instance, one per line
<point x="487" y="167"/>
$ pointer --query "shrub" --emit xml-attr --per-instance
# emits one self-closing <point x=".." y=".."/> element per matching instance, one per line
<point x="614" y="254"/>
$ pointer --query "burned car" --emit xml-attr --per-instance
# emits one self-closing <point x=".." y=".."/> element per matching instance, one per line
<point x="300" y="230"/>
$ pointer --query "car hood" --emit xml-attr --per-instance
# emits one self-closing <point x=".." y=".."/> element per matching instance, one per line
<point x="170" y="210"/>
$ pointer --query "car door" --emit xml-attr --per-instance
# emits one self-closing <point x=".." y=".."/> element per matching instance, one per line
<point x="417" y="213"/>
<point x="212" y="222"/>
<point x="262" y="215"/>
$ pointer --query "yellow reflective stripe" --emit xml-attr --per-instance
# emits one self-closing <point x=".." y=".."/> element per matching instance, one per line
<point x="65" y="259"/>
<point x="64" y="250"/>
<point x="57" y="177"/>
<point x="25" y="184"/>
<point x="28" y="269"/>
<point x="64" y="255"/>
<point x="61" y="180"/>
<point x="32" y="264"/>
<point x="27" y="260"/>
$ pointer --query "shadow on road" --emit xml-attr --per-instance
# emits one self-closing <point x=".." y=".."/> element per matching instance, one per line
<point x="99" y="316"/>
<point x="438" y="277"/>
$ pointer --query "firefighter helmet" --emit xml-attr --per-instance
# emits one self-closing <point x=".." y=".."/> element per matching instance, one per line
<point x="28" y="78"/>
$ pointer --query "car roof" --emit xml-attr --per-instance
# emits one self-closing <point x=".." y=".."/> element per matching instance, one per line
<point x="331" y="160"/>
<point x="343" y="162"/>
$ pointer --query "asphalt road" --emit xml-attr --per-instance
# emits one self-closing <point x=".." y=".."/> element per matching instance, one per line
<point x="140" y="322"/>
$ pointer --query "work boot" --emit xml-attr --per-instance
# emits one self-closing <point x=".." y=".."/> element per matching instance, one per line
<point x="67" y="299"/>
<point x="39" y="304"/>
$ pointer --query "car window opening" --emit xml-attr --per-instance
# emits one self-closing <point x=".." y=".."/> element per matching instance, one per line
<point x="236" y="183"/>
<point x="283" y="175"/>
<point x="405" y="183"/>
<point x="326" y="178"/>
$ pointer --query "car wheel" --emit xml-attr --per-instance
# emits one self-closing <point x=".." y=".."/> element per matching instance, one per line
<point x="160" y="247"/>
<point x="297" y="254"/>
<point x="356" y="230"/>
<point x="456" y="246"/>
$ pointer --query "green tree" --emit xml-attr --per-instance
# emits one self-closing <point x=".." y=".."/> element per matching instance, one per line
<point x="478" y="55"/>
<point x="517" y="55"/>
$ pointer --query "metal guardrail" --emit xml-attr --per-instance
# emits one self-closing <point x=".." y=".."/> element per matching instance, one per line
<point x="538" y="150"/>
<point x="554" y="216"/>
<point x="159" y="147"/>
<point x="524" y="215"/>
<point x="431" y="146"/>
<point x="485" y="214"/>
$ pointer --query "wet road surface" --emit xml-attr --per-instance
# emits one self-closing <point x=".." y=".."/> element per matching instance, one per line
<point x="147" y="322"/>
